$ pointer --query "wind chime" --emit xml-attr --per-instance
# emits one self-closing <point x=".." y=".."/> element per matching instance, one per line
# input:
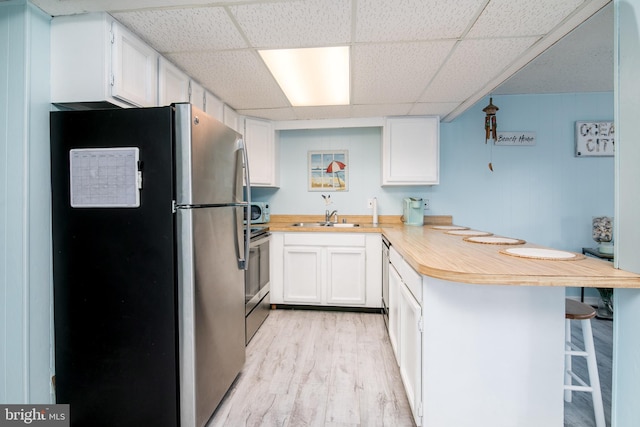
<point x="490" y="126"/>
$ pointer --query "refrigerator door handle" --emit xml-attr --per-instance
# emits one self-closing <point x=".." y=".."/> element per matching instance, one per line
<point x="243" y="263"/>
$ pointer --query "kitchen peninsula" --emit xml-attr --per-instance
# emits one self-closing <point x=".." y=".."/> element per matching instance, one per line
<point x="492" y="347"/>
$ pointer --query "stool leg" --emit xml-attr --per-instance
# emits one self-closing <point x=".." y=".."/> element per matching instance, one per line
<point x="567" y="359"/>
<point x="594" y="379"/>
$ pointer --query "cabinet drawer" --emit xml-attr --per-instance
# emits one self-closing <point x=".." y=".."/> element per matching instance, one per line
<point x="413" y="280"/>
<point x="409" y="276"/>
<point x="324" y="239"/>
<point x="396" y="259"/>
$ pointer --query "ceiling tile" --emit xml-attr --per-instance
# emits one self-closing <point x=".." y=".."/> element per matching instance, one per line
<point x="472" y="65"/>
<point x="433" y="109"/>
<point x="412" y="20"/>
<point x="380" y="110"/>
<point x="507" y="18"/>
<point x="548" y="72"/>
<point x="238" y="77"/>
<point x="325" y="112"/>
<point x="192" y="29"/>
<point x="269" y="113"/>
<point x="289" y="24"/>
<point x="71" y="7"/>
<point x="408" y="56"/>
<point x="395" y="72"/>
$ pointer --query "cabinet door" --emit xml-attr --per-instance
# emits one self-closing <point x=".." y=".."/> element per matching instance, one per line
<point x="134" y="69"/>
<point x="395" y="282"/>
<point x="259" y="139"/>
<point x="231" y="118"/>
<point x="410" y="341"/>
<point x="213" y="106"/>
<point x="410" y="151"/>
<point x="302" y="274"/>
<point x="346" y="276"/>
<point x="173" y="84"/>
<point x="196" y="94"/>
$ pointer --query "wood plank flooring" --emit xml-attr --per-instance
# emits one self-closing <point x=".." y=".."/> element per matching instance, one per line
<point x="317" y="368"/>
<point x="331" y="368"/>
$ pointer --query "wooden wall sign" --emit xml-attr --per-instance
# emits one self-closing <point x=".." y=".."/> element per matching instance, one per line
<point x="595" y="139"/>
<point x="516" y="138"/>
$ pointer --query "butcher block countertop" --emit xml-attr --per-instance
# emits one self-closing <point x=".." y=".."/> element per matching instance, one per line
<point x="437" y="253"/>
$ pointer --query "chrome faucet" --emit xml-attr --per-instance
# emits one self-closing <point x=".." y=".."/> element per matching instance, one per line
<point x="327" y="216"/>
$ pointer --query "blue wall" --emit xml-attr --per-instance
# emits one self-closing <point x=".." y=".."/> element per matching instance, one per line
<point x="25" y="198"/>
<point x="542" y="193"/>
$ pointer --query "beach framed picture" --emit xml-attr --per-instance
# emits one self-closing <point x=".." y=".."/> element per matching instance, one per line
<point x="328" y="170"/>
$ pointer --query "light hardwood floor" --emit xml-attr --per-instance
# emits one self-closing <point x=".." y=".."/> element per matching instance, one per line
<point x="331" y="368"/>
<point x="579" y="413"/>
<point x="317" y="368"/>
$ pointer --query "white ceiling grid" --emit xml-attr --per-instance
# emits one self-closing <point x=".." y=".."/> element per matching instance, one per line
<point x="433" y="57"/>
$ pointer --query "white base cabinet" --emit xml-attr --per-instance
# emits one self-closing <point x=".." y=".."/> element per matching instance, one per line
<point x="346" y="276"/>
<point x="395" y="282"/>
<point x="326" y="269"/>
<point x="302" y="274"/>
<point x="94" y="60"/>
<point x="410" y="343"/>
<point x="405" y="327"/>
<point x="410" y="151"/>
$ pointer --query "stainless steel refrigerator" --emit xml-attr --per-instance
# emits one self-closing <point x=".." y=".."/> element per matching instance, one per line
<point x="149" y="258"/>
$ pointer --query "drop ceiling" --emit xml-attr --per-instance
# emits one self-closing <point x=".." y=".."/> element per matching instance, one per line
<point x="408" y="57"/>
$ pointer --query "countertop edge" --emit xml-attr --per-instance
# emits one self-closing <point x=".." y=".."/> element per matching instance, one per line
<point x="422" y="248"/>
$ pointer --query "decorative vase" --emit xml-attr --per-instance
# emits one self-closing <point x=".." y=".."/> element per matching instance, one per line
<point x="605" y="304"/>
<point x="602" y="232"/>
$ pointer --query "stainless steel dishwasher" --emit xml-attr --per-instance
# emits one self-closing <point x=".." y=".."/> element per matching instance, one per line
<point x="385" y="280"/>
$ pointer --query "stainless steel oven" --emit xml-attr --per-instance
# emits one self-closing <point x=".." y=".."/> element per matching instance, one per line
<point x="256" y="282"/>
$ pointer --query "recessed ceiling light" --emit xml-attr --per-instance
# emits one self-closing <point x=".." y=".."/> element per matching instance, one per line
<point x="311" y="76"/>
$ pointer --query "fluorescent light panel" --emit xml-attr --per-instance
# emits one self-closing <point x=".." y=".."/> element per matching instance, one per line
<point x="311" y="76"/>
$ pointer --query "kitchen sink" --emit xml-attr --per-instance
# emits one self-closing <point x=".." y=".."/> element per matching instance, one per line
<point x="325" y="224"/>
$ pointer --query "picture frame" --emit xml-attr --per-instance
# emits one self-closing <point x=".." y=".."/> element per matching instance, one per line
<point x="328" y="170"/>
<point x="595" y="139"/>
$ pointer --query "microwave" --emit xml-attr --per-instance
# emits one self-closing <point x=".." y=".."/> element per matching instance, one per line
<point x="259" y="213"/>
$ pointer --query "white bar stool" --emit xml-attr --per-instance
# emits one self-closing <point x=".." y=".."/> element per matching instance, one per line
<point x="575" y="310"/>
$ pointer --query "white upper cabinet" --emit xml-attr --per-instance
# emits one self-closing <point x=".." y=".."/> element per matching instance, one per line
<point x="261" y="146"/>
<point x="231" y="119"/>
<point x="94" y="60"/>
<point x="410" y="151"/>
<point x="173" y="83"/>
<point x="213" y="106"/>
<point x="196" y="95"/>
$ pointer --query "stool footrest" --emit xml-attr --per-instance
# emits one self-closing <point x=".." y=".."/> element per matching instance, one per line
<point x="583" y="384"/>
<point x="577" y="353"/>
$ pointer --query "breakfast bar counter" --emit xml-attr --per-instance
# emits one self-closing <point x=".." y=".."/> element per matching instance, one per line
<point x="491" y="342"/>
<point x="436" y="253"/>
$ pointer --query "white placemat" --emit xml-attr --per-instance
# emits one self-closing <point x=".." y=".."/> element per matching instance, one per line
<point x="450" y="227"/>
<point x="469" y="233"/>
<point x="542" y="253"/>
<point x="494" y="240"/>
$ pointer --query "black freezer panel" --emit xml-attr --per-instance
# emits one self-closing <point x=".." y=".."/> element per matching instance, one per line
<point x="114" y="278"/>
